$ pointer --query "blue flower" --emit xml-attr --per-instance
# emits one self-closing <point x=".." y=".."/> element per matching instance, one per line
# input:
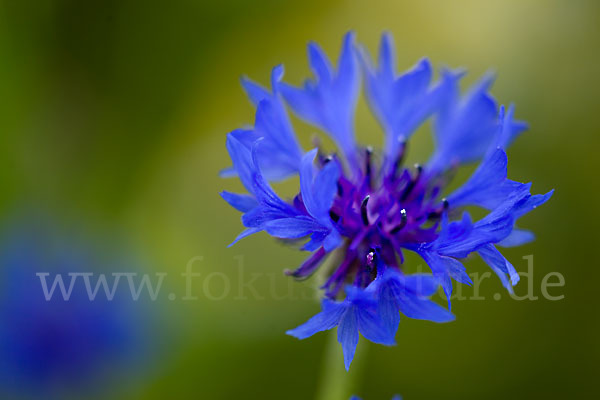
<point x="49" y="346"/>
<point x="369" y="208"/>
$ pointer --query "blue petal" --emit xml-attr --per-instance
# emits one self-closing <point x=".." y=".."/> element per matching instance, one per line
<point x="507" y="208"/>
<point x="459" y="239"/>
<point x="316" y="241"/>
<point x="241" y="202"/>
<point x="292" y="228"/>
<point x="325" y="320"/>
<point x="246" y="137"/>
<point x="491" y="233"/>
<point x="360" y="297"/>
<point x="262" y="214"/>
<point x="307" y="173"/>
<point x="372" y="327"/>
<point x="319" y="63"/>
<point x="421" y="284"/>
<point x="453" y="231"/>
<point x="255" y="92"/>
<point x="272" y="122"/>
<point x="401" y="104"/>
<point x="318" y="193"/>
<point x="414" y="97"/>
<point x="499" y="265"/>
<point x="464" y="129"/>
<point x="408" y="294"/>
<point x="245" y="163"/>
<point x="517" y="237"/>
<point x="444" y="268"/>
<point x="269" y="207"/>
<point x="242" y="161"/>
<point x="531" y="203"/>
<point x="247" y="232"/>
<point x="348" y="335"/>
<point x="347" y="82"/>
<point x="279" y="155"/>
<point x="332" y="241"/>
<point x="325" y="190"/>
<point x="422" y="308"/>
<point x="387" y="56"/>
<point x="488" y="186"/>
<point x="499" y="224"/>
<point x="329" y="102"/>
<point x="302" y="103"/>
<point x="446" y="283"/>
<point x="510" y="129"/>
<point x="387" y="308"/>
<point x="447" y="266"/>
<point x="228" y="172"/>
<point x="261" y="189"/>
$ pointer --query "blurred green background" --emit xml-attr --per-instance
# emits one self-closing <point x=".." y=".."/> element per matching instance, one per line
<point x="113" y="117"/>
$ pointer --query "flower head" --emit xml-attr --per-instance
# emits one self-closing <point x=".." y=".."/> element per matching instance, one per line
<point x="368" y="206"/>
<point x="55" y="337"/>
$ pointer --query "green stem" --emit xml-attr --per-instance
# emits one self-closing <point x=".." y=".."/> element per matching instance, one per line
<point x="335" y="382"/>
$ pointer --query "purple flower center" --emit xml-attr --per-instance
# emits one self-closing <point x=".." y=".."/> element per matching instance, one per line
<point x="383" y="209"/>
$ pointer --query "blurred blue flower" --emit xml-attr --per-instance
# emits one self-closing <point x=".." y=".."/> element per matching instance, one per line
<point x="57" y="348"/>
<point x="367" y="206"/>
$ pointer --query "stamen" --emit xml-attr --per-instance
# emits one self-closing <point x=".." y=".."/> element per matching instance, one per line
<point x="363" y="210"/>
<point x="438" y="213"/>
<point x="334" y="216"/>
<point x="399" y="159"/>
<point x="368" y="168"/>
<point x="403" y="221"/>
<point x="412" y="183"/>
<point x="371" y="258"/>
